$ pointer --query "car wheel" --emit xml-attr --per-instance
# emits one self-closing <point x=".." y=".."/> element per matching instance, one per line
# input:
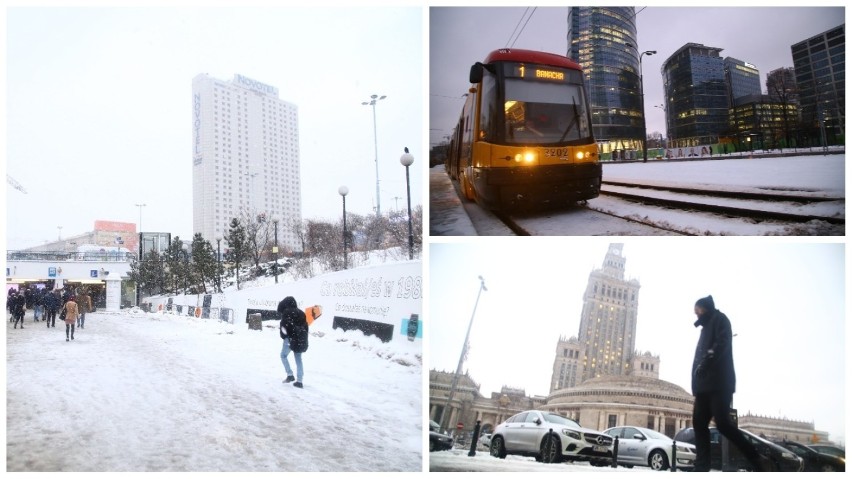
<point x="658" y="460"/>
<point x="828" y="468"/>
<point x="432" y="446"/>
<point x="497" y="449"/>
<point x="551" y="449"/>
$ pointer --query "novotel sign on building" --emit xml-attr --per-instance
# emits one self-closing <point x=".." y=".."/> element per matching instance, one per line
<point x="255" y="85"/>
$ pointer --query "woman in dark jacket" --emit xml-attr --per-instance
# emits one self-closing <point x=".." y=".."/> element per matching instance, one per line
<point x="294" y="332"/>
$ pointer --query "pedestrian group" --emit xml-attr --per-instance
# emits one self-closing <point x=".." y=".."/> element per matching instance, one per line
<point x="46" y="304"/>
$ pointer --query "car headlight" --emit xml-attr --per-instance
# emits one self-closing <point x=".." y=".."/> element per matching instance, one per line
<point x="572" y="433"/>
<point x="788" y="455"/>
<point x="683" y="449"/>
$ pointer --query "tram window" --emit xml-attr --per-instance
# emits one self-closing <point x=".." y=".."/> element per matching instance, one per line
<point x="488" y="112"/>
<point x="544" y="113"/>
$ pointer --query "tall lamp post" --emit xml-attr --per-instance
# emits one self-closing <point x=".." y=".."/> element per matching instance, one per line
<point x="185" y="248"/>
<point x="343" y="191"/>
<point x="372" y="102"/>
<point x="275" y="249"/>
<point x="219" y="261"/>
<point x="642" y="95"/>
<point x="140" y="214"/>
<point x="407" y="159"/>
<point x="463" y="354"/>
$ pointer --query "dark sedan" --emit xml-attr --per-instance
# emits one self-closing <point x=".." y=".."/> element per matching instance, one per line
<point x="781" y="458"/>
<point x="815" y="461"/>
<point x="438" y="441"/>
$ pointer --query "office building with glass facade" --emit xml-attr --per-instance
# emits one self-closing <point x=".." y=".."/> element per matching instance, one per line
<point x="743" y="79"/>
<point x="820" y="65"/>
<point x="603" y="41"/>
<point x="759" y="121"/>
<point x="696" y="96"/>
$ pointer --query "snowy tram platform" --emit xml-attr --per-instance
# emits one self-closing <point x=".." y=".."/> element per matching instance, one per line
<point x="447" y="216"/>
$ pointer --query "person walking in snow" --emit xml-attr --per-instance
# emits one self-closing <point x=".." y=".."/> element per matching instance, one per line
<point x="713" y="385"/>
<point x="38" y="304"/>
<point x="84" y="303"/>
<point x="294" y="332"/>
<point x="19" y="303"/>
<point x="71" y="313"/>
<point x="51" y="306"/>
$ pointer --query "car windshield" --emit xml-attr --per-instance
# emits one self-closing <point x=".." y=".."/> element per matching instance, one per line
<point x="557" y="419"/>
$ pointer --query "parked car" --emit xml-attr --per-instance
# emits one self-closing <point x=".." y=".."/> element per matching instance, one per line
<point x="781" y="458"/>
<point x="829" y="449"/>
<point x="437" y="440"/>
<point x="815" y="461"/>
<point x="639" y="446"/>
<point x="549" y="438"/>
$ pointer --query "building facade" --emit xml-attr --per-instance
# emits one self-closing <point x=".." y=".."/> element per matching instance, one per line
<point x="697" y="96"/>
<point x="761" y="122"/>
<point x="742" y="79"/>
<point x="245" y="157"/>
<point x="820" y="66"/>
<point x="603" y="41"/>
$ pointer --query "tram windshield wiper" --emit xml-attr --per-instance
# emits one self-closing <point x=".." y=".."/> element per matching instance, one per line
<point x="574" y="121"/>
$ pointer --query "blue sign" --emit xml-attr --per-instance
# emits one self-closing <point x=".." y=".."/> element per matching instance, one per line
<point x="93" y="273"/>
<point x="51" y="272"/>
<point x="403" y="328"/>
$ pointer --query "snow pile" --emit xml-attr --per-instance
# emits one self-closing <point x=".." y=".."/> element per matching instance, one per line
<point x="140" y="391"/>
<point x="458" y="460"/>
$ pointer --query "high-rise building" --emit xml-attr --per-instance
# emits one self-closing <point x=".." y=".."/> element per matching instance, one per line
<point x="742" y="78"/>
<point x="696" y="96"/>
<point x="607" y="337"/>
<point x="603" y="41"/>
<point x="820" y="64"/>
<point x="245" y="157"/>
<point x="781" y="85"/>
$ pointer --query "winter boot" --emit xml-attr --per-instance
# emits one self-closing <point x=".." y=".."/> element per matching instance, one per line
<point x="298" y="384"/>
<point x="289" y="379"/>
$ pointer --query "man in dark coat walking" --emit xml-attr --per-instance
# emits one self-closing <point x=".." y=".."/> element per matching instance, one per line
<point x="294" y="332"/>
<point x="713" y="385"/>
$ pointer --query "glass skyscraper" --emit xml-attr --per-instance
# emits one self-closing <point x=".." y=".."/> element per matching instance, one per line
<point x="603" y="41"/>
<point x="820" y="64"/>
<point x="696" y="96"/>
<point x="743" y="78"/>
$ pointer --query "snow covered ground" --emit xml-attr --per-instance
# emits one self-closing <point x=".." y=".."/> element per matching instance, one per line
<point x="156" y="392"/>
<point x="458" y="460"/>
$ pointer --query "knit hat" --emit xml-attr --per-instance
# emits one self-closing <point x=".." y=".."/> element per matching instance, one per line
<point x="706" y="303"/>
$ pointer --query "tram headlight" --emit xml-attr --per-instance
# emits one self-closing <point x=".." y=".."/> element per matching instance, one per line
<point x="529" y="157"/>
<point x="580" y="155"/>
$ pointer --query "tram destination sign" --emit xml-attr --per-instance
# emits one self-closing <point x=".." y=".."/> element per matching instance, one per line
<point x="531" y="71"/>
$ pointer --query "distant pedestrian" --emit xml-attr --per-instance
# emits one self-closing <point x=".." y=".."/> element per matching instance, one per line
<point x="71" y="313"/>
<point x="51" y="306"/>
<point x="84" y="302"/>
<point x="294" y="332"/>
<point x="19" y="304"/>
<point x="713" y="385"/>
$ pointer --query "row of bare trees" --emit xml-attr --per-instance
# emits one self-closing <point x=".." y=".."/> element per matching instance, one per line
<point x="250" y="251"/>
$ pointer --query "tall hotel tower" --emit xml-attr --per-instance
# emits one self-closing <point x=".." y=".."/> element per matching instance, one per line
<point x="605" y="346"/>
<point x="245" y="157"/>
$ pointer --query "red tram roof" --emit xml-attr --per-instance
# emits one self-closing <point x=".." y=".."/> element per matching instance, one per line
<point x="531" y="56"/>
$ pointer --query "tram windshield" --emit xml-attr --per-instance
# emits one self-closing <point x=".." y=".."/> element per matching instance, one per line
<point x="544" y="113"/>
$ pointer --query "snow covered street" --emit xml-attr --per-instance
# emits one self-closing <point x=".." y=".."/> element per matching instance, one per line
<point x="156" y="392"/>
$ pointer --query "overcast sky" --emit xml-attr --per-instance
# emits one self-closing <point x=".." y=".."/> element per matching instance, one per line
<point x="459" y="37"/>
<point x="99" y="102"/>
<point x="785" y="302"/>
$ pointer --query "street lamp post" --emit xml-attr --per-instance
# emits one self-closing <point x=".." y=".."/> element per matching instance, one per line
<point x="219" y="261"/>
<point x="463" y="354"/>
<point x="185" y="248"/>
<point x="343" y="191"/>
<point x="140" y="205"/>
<point x="407" y="159"/>
<point x="275" y="249"/>
<point x="642" y="95"/>
<point x="372" y="102"/>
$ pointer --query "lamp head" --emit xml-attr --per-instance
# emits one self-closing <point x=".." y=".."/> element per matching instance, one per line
<point x="343" y="191"/>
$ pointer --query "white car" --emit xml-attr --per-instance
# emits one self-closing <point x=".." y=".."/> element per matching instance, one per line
<point x="549" y="437"/>
<point x="639" y="446"/>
